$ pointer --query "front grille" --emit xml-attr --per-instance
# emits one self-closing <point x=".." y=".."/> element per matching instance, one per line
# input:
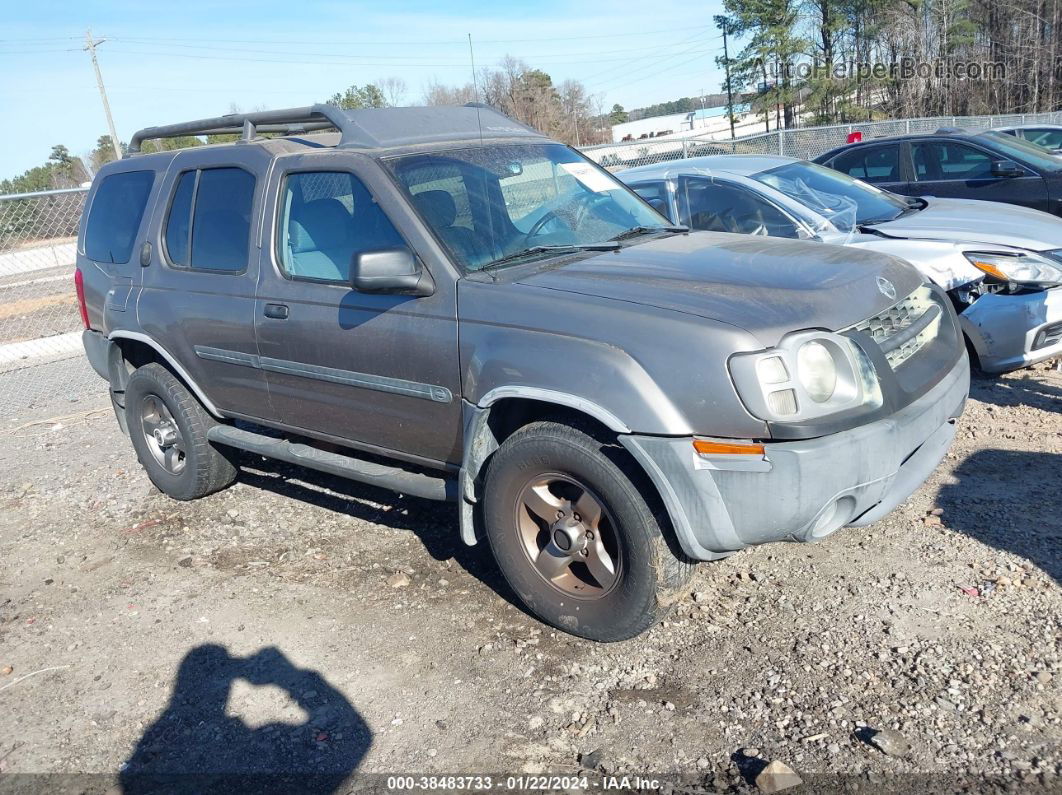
<point x="904" y="328"/>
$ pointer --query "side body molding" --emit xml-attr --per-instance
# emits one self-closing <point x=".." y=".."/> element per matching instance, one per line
<point x="208" y="404"/>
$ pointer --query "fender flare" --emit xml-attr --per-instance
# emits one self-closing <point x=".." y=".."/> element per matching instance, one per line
<point x="208" y="404"/>
<point x="480" y="443"/>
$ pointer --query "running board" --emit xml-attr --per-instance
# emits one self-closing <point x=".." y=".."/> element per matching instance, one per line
<point x="415" y="484"/>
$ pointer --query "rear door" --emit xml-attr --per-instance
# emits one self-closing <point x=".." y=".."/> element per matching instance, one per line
<point x="198" y="298"/>
<point x="880" y="164"/>
<point x="377" y="371"/>
<point x="956" y="169"/>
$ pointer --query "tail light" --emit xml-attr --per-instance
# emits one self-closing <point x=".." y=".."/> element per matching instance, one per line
<point x="79" y="285"/>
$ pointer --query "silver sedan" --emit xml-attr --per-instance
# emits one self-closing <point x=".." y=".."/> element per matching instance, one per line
<point x="1000" y="263"/>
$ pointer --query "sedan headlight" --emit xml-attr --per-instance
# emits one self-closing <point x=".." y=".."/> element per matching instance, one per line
<point x="1027" y="268"/>
<point x="809" y="375"/>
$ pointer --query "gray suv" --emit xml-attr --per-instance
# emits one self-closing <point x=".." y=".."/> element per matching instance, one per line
<point x="445" y="303"/>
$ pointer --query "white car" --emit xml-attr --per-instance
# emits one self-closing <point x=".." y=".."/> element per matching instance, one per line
<point x="1000" y="263"/>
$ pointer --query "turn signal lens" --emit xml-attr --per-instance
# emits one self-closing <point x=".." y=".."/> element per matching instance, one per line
<point x="705" y="447"/>
<point x="990" y="269"/>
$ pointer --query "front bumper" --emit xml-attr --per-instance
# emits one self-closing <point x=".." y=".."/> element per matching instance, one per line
<point x="1004" y="328"/>
<point x="802" y="490"/>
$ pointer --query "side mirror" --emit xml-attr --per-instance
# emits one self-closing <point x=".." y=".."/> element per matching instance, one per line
<point x="389" y="270"/>
<point x="1006" y="168"/>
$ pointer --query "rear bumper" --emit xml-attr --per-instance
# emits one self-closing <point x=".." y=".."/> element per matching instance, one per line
<point x="802" y="490"/>
<point x="1006" y="329"/>
<point x="98" y="351"/>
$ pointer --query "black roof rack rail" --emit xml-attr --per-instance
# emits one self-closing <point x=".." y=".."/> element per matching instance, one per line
<point x="249" y="125"/>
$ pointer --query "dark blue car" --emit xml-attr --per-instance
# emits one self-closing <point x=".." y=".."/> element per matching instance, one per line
<point x="962" y="164"/>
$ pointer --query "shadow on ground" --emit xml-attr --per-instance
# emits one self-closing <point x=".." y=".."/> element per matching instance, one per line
<point x="196" y="747"/>
<point x="1003" y="498"/>
<point x="434" y="523"/>
<point x="1025" y="391"/>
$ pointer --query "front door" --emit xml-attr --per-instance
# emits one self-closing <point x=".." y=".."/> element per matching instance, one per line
<point x="378" y="371"/>
<point x="959" y="170"/>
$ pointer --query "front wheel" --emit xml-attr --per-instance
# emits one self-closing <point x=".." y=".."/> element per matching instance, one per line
<point x="574" y="536"/>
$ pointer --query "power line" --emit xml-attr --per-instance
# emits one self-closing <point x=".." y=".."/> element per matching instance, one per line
<point x="144" y="41"/>
<point x="419" y="42"/>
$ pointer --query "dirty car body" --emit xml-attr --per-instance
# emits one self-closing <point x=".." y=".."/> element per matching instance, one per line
<point x="445" y="303"/>
<point x="1000" y="264"/>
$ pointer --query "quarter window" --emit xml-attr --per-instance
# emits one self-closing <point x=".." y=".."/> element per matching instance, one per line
<point x="208" y="226"/>
<point x="326" y="218"/>
<point x="117" y="210"/>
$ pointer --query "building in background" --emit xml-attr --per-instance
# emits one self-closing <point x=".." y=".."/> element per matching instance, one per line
<point x="701" y="119"/>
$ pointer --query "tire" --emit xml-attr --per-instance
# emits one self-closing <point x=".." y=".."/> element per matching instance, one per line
<point x="188" y="467"/>
<point x="554" y="467"/>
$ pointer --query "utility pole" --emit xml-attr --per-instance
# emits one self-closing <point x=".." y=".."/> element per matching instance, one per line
<point x="724" y="23"/>
<point x="90" y="45"/>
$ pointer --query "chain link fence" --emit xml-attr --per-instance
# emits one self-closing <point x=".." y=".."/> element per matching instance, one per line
<point x="42" y="366"/>
<point x="802" y="142"/>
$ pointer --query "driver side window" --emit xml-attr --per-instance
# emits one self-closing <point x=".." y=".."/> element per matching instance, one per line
<point x="718" y="207"/>
<point x="326" y="218"/>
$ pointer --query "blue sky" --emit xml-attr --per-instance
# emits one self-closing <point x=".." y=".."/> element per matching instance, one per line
<point x="165" y="62"/>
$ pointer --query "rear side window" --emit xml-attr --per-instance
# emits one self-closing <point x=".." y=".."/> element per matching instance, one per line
<point x="208" y="226"/>
<point x="871" y="164"/>
<point x="117" y="209"/>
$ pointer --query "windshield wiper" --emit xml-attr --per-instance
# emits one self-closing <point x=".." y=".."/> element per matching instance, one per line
<point x="634" y="231"/>
<point x="605" y="245"/>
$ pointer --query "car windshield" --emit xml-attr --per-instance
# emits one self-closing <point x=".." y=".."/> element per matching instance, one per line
<point x="842" y="200"/>
<point x="1023" y="151"/>
<point x="510" y="203"/>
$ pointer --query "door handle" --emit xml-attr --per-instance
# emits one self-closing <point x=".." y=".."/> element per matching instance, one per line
<point x="277" y="311"/>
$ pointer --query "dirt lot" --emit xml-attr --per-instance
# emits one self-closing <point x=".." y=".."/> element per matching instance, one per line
<point x="264" y="629"/>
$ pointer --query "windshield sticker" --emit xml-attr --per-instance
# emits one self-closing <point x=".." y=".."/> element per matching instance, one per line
<point x="589" y="176"/>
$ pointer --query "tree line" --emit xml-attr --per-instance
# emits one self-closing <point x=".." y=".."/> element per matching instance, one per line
<point x="801" y="57"/>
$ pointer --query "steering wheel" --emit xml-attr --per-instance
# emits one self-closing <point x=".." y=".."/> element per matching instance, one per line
<point x="580" y="206"/>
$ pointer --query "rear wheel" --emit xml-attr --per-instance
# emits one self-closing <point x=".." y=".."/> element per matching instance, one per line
<point x="574" y="536"/>
<point x="168" y="428"/>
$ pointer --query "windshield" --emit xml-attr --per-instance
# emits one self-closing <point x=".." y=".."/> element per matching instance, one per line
<point x="499" y="202"/>
<point x="1023" y="151"/>
<point x="844" y="201"/>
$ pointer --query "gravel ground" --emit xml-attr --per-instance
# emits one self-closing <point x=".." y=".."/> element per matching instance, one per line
<point x="302" y="624"/>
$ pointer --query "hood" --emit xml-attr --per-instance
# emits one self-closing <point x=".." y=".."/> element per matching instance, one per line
<point x="971" y="221"/>
<point x="766" y="286"/>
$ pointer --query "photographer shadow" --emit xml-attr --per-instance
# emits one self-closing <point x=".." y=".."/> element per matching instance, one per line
<point x="195" y="746"/>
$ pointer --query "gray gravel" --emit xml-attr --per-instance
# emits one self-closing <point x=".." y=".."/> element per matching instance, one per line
<point x="298" y="623"/>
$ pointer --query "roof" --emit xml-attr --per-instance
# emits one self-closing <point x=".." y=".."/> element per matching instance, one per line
<point x="742" y="165"/>
<point x="364" y="128"/>
<point x="1030" y="126"/>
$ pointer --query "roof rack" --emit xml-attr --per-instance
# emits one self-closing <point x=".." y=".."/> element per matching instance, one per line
<point x="364" y="128"/>
<point x="249" y="125"/>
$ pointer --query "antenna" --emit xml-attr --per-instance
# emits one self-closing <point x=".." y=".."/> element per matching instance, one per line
<point x="479" y="124"/>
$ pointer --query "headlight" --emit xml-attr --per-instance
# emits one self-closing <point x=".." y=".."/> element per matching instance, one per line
<point x="817" y="371"/>
<point x="809" y="375"/>
<point x="1021" y="268"/>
